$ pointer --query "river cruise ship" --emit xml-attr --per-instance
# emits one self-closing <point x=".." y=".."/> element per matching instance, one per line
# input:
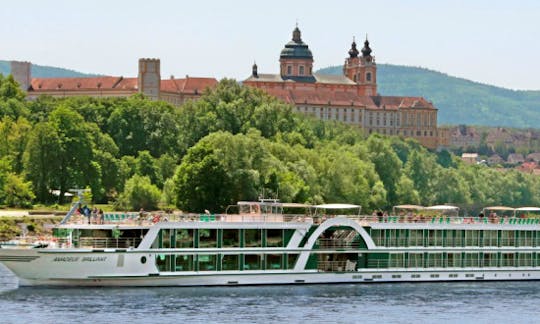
<point x="268" y="242"/>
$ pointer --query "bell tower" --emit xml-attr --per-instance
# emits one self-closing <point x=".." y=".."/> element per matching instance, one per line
<point x="149" y="80"/>
<point x="362" y="70"/>
<point x="296" y="59"/>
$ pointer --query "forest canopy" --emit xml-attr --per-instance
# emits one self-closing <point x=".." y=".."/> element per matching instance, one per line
<point x="234" y="143"/>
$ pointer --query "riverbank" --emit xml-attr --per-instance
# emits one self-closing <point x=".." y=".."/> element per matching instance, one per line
<point x="17" y="224"/>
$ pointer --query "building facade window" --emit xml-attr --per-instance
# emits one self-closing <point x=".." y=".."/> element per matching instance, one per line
<point x="301" y="70"/>
<point x="289" y="70"/>
<point x="368" y="77"/>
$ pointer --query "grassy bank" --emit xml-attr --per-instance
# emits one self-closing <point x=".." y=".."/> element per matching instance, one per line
<point x="11" y="227"/>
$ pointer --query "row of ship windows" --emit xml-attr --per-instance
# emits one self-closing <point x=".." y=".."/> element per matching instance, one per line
<point x="454" y="238"/>
<point x="225" y="262"/>
<point x="221" y="238"/>
<point x="455" y="260"/>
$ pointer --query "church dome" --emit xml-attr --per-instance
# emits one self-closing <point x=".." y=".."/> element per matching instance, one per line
<point x="296" y="48"/>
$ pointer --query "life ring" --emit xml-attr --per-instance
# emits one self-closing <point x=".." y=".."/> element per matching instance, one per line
<point x="155" y="219"/>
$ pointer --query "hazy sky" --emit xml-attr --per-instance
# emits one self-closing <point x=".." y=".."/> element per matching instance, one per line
<point x="494" y="42"/>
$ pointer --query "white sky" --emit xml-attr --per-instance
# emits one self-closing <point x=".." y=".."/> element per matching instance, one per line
<point x="490" y="41"/>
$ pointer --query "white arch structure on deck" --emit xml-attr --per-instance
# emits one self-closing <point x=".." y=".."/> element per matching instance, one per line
<point x="338" y="221"/>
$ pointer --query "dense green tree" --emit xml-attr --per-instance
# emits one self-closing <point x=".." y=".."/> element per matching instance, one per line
<point x="17" y="192"/>
<point x="139" y="192"/>
<point x="41" y="159"/>
<point x="75" y="156"/>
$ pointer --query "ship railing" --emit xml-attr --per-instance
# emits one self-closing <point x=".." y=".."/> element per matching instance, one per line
<point x="107" y="242"/>
<point x="365" y="220"/>
<point x="95" y="242"/>
<point x="337" y="244"/>
<point x="336" y="266"/>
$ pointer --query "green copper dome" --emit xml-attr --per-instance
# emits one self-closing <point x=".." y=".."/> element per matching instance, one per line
<point x="296" y="48"/>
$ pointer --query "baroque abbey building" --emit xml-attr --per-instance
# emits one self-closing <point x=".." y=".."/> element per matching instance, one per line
<point x="351" y="98"/>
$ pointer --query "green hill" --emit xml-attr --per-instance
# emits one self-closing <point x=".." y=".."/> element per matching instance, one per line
<point x="459" y="101"/>
<point x="41" y="71"/>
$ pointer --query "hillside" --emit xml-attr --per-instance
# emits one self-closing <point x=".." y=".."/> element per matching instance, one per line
<point x="40" y="71"/>
<point x="459" y="101"/>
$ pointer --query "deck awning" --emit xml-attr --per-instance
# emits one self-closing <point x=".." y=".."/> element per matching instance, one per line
<point x="528" y="209"/>
<point x="415" y="207"/>
<point x="442" y="207"/>
<point x="499" y="208"/>
<point x="337" y="206"/>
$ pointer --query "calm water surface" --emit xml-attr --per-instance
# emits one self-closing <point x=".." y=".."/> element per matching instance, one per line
<point x="495" y="302"/>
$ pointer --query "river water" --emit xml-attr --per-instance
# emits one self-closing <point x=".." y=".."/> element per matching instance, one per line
<point x="478" y="302"/>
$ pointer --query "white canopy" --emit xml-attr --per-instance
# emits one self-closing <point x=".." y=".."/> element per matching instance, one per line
<point x="294" y="205"/>
<point x="337" y="206"/>
<point x="442" y="207"/>
<point x="499" y="208"/>
<point x="417" y="207"/>
<point x="528" y="209"/>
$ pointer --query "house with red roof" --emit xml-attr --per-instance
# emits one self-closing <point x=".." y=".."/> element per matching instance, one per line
<point x="148" y="82"/>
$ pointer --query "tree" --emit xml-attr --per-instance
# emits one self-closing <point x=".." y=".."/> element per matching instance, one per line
<point x="41" y="159"/>
<point x="75" y="149"/>
<point x="18" y="193"/>
<point x="406" y="193"/>
<point x="139" y="193"/>
<point x="387" y="164"/>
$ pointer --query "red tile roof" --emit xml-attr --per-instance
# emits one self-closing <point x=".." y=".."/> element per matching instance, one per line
<point x="189" y="85"/>
<point x="346" y="98"/>
<point x="97" y="83"/>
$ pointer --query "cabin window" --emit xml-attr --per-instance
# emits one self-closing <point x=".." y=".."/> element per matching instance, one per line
<point x="274" y="238"/>
<point x="471" y="260"/>
<point x="163" y="262"/>
<point x="377" y="236"/>
<point x="207" y="238"/>
<point x="453" y="260"/>
<point x="435" y="260"/>
<point x="230" y="262"/>
<point x="415" y="238"/>
<point x="525" y="259"/>
<point x="490" y="260"/>
<point x="507" y="259"/>
<point x="252" y="262"/>
<point x="184" y="263"/>
<point x="397" y="260"/>
<point x="507" y="238"/>
<point x="416" y="260"/>
<point x="435" y="238"/>
<point x="231" y="238"/>
<point x="525" y="238"/>
<point x="274" y="261"/>
<point x="490" y="238"/>
<point x="291" y="260"/>
<point x="391" y="237"/>
<point x="471" y="238"/>
<point x="252" y="238"/>
<point x="184" y="238"/>
<point x="207" y="262"/>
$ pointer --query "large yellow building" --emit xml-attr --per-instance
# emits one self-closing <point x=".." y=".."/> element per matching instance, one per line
<point x="351" y="98"/>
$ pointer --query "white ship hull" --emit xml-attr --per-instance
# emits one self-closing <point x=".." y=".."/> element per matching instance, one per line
<point x="50" y="268"/>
